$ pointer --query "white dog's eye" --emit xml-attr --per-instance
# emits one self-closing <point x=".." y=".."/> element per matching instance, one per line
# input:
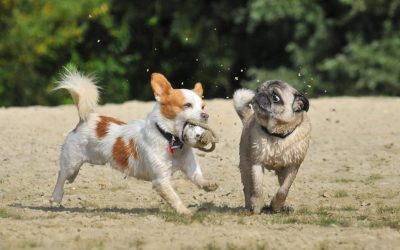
<point x="187" y="105"/>
<point x="275" y="98"/>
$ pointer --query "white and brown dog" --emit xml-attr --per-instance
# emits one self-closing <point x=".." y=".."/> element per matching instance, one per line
<point x="148" y="149"/>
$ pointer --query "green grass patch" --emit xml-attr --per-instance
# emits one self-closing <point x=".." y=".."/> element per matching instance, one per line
<point x="372" y="179"/>
<point x="343" y="180"/>
<point x="232" y="246"/>
<point x="340" y="194"/>
<point x="31" y="244"/>
<point x="6" y="213"/>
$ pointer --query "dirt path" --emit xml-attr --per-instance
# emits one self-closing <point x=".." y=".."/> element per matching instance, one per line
<point x="347" y="193"/>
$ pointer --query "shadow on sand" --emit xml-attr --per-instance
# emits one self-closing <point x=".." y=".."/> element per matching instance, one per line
<point x="90" y="210"/>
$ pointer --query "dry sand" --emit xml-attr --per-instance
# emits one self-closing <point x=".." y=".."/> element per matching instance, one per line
<point x="346" y="195"/>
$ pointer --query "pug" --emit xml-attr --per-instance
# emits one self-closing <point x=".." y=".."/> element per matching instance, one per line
<point x="275" y="136"/>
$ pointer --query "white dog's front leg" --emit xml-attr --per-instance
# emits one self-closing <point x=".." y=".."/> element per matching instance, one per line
<point x="165" y="190"/>
<point x="193" y="172"/>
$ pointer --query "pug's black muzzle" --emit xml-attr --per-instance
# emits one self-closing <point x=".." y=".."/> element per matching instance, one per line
<point x="262" y="101"/>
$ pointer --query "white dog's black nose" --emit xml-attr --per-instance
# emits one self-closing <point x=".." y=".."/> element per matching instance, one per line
<point x="204" y="116"/>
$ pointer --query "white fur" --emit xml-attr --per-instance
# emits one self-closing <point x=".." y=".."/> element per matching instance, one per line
<point x="82" y="89"/>
<point x="241" y="102"/>
<point x="154" y="164"/>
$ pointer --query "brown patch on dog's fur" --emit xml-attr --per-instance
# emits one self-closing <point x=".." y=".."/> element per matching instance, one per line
<point x="171" y="100"/>
<point x="102" y="125"/>
<point x="121" y="152"/>
<point x="172" y="104"/>
<point x="133" y="149"/>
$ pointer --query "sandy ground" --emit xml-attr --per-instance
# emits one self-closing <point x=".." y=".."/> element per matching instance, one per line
<point x="346" y="195"/>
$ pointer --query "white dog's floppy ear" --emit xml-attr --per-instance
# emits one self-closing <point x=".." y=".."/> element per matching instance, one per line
<point x="198" y="89"/>
<point x="160" y="85"/>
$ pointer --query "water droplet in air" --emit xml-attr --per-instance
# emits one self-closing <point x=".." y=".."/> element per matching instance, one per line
<point x="197" y="59"/>
<point x="186" y="39"/>
<point x="90" y="16"/>
<point x="241" y="70"/>
<point x="98" y="41"/>
<point x="147" y="70"/>
<point x="309" y="86"/>
<point x="299" y="74"/>
<point x="258" y="80"/>
<point x="236" y="78"/>
<point x="182" y="83"/>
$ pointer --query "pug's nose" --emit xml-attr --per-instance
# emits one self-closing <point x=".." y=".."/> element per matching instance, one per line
<point x="204" y="116"/>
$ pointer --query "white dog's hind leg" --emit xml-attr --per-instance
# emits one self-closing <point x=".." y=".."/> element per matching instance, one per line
<point x="71" y="160"/>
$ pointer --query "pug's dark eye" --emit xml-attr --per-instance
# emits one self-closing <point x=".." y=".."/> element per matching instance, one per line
<point x="275" y="98"/>
<point x="187" y="105"/>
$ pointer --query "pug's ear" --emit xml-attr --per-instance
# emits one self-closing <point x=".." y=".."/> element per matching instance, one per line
<point x="300" y="103"/>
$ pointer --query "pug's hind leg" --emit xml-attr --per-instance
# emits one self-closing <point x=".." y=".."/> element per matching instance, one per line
<point x="286" y="177"/>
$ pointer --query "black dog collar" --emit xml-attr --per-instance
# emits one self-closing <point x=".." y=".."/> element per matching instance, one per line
<point x="173" y="141"/>
<point x="282" y="136"/>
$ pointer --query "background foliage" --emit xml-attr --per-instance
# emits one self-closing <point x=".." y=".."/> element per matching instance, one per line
<point x="327" y="47"/>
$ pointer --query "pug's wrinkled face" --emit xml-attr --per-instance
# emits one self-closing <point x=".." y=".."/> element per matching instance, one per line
<point x="278" y="106"/>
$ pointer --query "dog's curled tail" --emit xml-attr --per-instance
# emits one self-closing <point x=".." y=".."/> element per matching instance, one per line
<point x="241" y="100"/>
<point x="83" y="89"/>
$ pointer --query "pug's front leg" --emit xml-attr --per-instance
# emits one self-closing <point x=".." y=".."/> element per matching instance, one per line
<point x="252" y="179"/>
<point x="165" y="190"/>
<point x="286" y="177"/>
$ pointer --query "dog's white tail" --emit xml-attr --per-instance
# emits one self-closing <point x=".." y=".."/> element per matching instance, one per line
<point x="241" y="101"/>
<point x="83" y="90"/>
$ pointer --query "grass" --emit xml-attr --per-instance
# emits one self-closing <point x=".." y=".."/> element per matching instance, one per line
<point x="370" y="180"/>
<point x="232" y="246"/>
<point x="340" y="194"/>
<point x="31" y="244"/>
<point x="6" y="213"/>
<point x="343" y="180"/>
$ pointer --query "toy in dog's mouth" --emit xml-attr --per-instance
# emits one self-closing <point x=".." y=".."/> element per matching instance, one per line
<point x="198" y="135"/>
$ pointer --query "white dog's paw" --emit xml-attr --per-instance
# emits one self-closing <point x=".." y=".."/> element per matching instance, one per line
<point x="184" y="211"/>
